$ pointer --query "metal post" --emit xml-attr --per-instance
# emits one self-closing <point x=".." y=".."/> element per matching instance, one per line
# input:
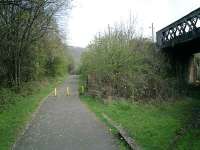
<point x="152" y="29"/>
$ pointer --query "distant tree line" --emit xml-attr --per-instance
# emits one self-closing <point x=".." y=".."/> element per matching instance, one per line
<point x="30" y="43"/>
<point x="119" y="63"/>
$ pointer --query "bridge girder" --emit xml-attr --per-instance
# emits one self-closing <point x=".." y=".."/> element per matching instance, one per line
<point x="182" y="36"/>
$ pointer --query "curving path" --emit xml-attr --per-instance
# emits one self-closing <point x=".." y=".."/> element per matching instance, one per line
<point x="64" y="123"/>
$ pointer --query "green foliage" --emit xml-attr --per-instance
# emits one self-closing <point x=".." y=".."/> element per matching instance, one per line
<point x="28" y="33"/>
<point x="153" y="126"/>
<point x="53" y="57"/>
<point x="7" y="98"/>
<point x="121" y="64"/>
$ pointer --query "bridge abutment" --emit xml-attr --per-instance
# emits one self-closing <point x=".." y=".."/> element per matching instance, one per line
<point x="184" y="67"/>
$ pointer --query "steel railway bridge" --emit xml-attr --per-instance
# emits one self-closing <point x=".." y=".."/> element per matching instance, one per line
<point x="181" y="40"/>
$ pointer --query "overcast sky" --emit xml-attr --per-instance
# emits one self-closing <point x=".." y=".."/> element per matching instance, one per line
<point x="88" y="17"/>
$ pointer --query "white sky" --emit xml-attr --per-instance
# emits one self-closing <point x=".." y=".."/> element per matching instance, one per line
<point x="88" y="17"/>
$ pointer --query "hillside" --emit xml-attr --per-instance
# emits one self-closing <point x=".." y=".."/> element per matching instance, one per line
<point x="76" y="53"/>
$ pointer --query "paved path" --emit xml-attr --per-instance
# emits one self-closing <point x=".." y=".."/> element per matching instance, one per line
<point x="64" y="123"/>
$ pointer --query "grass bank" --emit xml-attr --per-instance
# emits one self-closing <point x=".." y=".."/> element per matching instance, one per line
<point x="15" y="115"/>
<point x="153" y="126"/>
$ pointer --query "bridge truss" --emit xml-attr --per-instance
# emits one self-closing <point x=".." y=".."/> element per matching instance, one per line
<point x="183" y="30"/>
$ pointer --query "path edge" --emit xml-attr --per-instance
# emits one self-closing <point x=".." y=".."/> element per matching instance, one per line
<point x="32" y="117"/>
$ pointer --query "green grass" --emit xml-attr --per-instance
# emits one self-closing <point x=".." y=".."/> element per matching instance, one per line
<point x="15" y="116"/>
<point x="152" y="126"/>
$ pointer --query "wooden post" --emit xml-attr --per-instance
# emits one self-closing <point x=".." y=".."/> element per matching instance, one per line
<point x="82" y="89"/>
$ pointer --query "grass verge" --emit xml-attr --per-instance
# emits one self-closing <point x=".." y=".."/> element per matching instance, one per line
<point x="14" y="117"/>
<point x="153" y="126"/>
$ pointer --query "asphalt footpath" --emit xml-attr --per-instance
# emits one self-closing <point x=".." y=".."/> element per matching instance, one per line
<point x="65" y="123"/>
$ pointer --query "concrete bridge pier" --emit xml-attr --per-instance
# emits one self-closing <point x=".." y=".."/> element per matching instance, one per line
<point x="192" y="70"/>
<point x="184" y="68"/>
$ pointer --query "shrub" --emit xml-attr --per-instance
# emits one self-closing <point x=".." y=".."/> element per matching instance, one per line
<point x="7" y="97"/>
<point x="120" y="64"/>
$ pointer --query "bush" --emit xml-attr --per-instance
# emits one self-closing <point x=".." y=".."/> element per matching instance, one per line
<point x="7" y="97"/>
<point x="120" y="64"/>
